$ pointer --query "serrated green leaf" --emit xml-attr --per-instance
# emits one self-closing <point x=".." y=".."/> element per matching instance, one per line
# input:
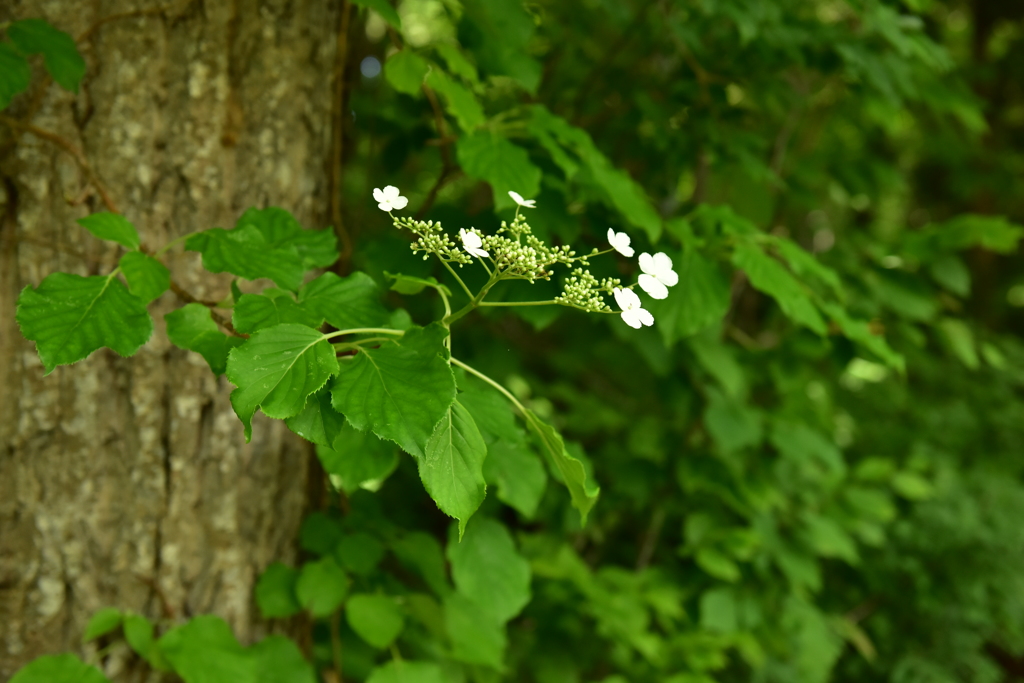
<point x="113" y="227"/>
<point x="102" y="623"/>
<point x="205" y="651"/>
<point x="279" y="660"/>
<point x="423" y="554"/>
<point x="409" y="284"/>
<point x="451" y="468"/>
<point x="275" y="592"/>
<point x="405" y="671"/>
<point x="397" y="392"/>
<point x="345" y="302"/>
<point x="405" y="71"/>
<point x="192" y="328"/>
<point x="518" y="474"/>
<point x="375" y="618"/>
<point x="60" y="54"/>
<point x="384" y="9"/>
<point x="70" y="316"/>
<point x="147" y="278"/>
<point x="15" y="74"/>
<point x="358" y="458"/>
<point x="462" y="103"/>
<point x="253" y="312"/>
<point x="769" y="276"/>
<point x="58" y="669"/>
<point x="475" y="638"/>
<point x="247" y="253"/>
<point x="700" y="300"/>
<point x="492" y="158"/>
<point x="316" y="248"/>
<point x="138" y="631"/>
<point x="276" y="369"/>
<point x="322" y="586"/>
<point x="359" y="553"/>
<point x="489" y="571"/>
<point x="318" y="422"/>
<point x="574" y="475"/>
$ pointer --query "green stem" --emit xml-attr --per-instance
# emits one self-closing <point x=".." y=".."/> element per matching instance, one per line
<point x="163" y="250"/>
<point x="364" y="330"/>
<point x="336" y="642"/>
<point x="503" y="390"/>
<point x="459" y="279"/>
<point x="518" y="303"/>
<point x="357" y="344"/>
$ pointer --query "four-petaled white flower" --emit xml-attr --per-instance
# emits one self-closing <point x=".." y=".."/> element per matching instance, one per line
<point x="518" y="199"/>
<point x="472" y="244"/>
<point x="389" y="198"/>
<point x="620" y="242"/>
<point x="632" y="313"/>
<point x="658" y="274"/>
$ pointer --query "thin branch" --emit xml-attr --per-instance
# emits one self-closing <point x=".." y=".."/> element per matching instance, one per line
<point x="650" y="539"/>
<point x="217" y="317"/>
<point x="338" y="130"/>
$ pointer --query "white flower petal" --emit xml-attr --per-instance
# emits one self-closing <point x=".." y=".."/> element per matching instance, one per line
<point x="378" y="194"/>
<point x="620" y="242"/>
<point x="626" y="298"/>
<point x="400" y="202"/>
<point x="652" y="286"/>
<point x="632" y="318"/>
<point x="644" y="316"/>
<point x="384" y="206"/>
<point x="391" y="192"/>
<point x="664" y="272"/>
<point x="646" y="262"/>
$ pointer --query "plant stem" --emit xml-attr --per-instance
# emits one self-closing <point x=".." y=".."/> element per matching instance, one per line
<point x="459" y="279"/>
<point x="336" y="642"/>
<point x="364" y="330"/>
<point x="163" y="250"/>
<point x="503" y="390"/>
<point x="518" y="303"/>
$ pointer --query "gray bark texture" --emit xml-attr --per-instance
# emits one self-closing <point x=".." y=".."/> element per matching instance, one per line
<point x="126" y="481"/>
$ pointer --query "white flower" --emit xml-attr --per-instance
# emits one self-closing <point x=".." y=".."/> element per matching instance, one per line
<point x="620" y="242"/>
<point x="632" y="313"/>
<point x="518" y="199"/>
<point x="658" y="274"/>
<point x="471" y="243"/>
<point x="389" y="198"/>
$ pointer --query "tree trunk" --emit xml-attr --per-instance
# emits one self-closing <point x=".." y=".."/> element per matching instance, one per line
<point x="127" y="482"/>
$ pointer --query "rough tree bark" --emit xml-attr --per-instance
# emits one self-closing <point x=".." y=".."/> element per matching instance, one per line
<point x="127" y="482"/>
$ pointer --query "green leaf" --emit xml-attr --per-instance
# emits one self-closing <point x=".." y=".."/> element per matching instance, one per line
<point x="360" y="553"/>
<point x="518" y="473"/>
<point x="205" y="651"/>
<point x="405" y="71"/>
<point x="279" y="660"/>
<point x="828" y="539"/>
<point x="319" y="534"/>
<point x="860" y="331"/>
<point x="462" y="103"/>
<point x="583" y="493"/>
<point x="769" y="276"/>
<point x="499" y="32"/>
<point x="102" y="623"/>
<point x="476" y="639"/>
<point x="718" y="564"/>
<point x="732" y="425"/>
<point x="912" y="486"/>
<point x="458" y="64"/>
<point x="192" y="328"/>
<point x="60" y="54"/>
<point x="718" y="611"/>
<point x="422" y="553"/>
<point x="248" y="254"/>
<point x="346" y="303"/>
<point x="316" y="248"/>
<point x="277" y="369"/>
<point x="15" y="74"/>
<point x="804" y="264"/>
<point x="255" y="312"/>
<point x="405" y="671"/>
<point x="375" y="618"/>
<point x="960" y="340"/>
<point x="58" y="669"/>
<point x="318" y="422"/>
<point x="490" y="157"/>
<point x="701" y="300"/>
<point x="275" y="592"/>
<point x="451" y="468"/>
<point x="147" y="277"/>
<point x="138" y="631"/>
<point x="70" y="316"/>
<point x="358" y="458"/>
<point x="322" y="586"/>
<point x="384" y="9"/>
<point x="397" y="392"/>
<point x="488" y="570"/>
<point x="113" y="227"/>
<point x="408" y="284"/>
<point x="952" y="273"/>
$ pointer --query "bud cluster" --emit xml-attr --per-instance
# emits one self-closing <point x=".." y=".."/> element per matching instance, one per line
<point x="433" y="240"/>
<point x="584" y="291"/>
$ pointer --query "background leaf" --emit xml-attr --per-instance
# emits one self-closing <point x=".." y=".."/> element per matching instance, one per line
<point x="191" y="327"/>
<point x="113" y="227"/>
<point x="376" y="618"/>
<point x="147" y="278"/>
<point x="59" y="52"/>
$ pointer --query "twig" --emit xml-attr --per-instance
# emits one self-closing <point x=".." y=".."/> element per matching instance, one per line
<point x="650" y="540"/>
<point x="70" y="148"/>
<point x="189" y="299"/>
<point x="338" y="129"/>
<point x="165" y="603"/>
<point x="447" y="175"/>
<point x="448" y="168"/>
<point x="336" y="640"/>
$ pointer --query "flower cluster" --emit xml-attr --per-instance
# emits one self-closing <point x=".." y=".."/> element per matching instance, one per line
<point x="516" y="253"/>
